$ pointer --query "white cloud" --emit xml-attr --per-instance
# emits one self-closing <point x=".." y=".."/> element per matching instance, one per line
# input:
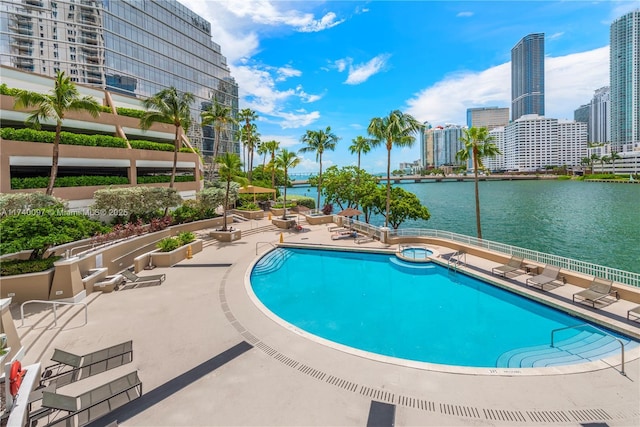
<point x="554" y="36"/>
<point x="286" y="72"/>
<point x="360" y="73"/>
<point x="464" y="14"/>
<point x="570" y="81"/>
<point x="286" y="141"/>
<point x="327" y="21"/>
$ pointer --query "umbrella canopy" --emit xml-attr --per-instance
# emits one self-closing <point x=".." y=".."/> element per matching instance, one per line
<point x="350" y="212"/>
<point x="252" y="189"/>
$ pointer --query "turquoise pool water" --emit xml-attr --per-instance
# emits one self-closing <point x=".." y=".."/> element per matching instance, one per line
<point x="417" y="253"/>
<point x="420" y="312"/>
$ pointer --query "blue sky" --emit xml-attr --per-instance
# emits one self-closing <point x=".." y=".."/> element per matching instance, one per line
<point x="310" y="64"/>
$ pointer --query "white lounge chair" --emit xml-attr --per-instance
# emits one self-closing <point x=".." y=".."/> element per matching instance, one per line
<point x="548" y="276"/>
<point x="600" y="290"/>
<point x="514" y="264"/>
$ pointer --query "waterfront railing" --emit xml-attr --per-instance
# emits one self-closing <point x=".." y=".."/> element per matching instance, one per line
<point x="590" y="269"/>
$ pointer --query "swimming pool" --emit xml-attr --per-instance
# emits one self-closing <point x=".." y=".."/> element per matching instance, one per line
<point x="420" y="312"/>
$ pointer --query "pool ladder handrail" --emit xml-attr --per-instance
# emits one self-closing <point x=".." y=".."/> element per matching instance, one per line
<point x="455" y="260"/>
<point x="599" y="330"/>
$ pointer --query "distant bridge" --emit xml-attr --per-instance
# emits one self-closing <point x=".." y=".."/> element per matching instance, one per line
<point x="449" y="178"/>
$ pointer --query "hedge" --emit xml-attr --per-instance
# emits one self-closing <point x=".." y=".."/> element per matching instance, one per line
<point x="154" y="179"/>
<point x="67" y="181"/>
<point x="18" y="266"/>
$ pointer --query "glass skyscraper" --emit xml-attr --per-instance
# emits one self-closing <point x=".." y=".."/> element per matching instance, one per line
<point x="624" y="67"/>
<point x="135" y="48"/>
<point x="527" y="76"/>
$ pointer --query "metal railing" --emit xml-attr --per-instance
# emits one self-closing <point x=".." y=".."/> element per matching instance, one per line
<point x="455" y="259"/>
<point x="55" y="312"/>
<point x="616" y="275"/>
<point x="264" y="243"/>
<point x="601" y="331"/>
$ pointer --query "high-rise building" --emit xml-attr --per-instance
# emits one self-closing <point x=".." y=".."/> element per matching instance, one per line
<point x="446" y="143"/>
<point x="527" y="76"/>
<point x="489" y="117"/>
<point x="135" y="48"/>
<point x="600" y="116"/>
<point x="624" y="66"/>
<point x="534" y="142"/>
<point x="496" y="163"/>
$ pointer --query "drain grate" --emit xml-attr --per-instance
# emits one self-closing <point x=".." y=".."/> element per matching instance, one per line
<point x="548" y="416"/>
<point x="342" y="383"/>
<point x="381" y="395"/>
<point x="589" y="414"/>
<point x="459" y="411"/>
<point x="312" y="372"/>
<point x="412" y="402"/>
<point x="503" y="415"/>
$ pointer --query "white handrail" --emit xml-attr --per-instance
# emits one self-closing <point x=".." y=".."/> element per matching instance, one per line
<point x="55" y="313"/>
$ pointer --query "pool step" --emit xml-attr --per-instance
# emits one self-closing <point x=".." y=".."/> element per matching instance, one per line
<point x="585" y="346"/>
<point x="272" y="261"/>
<point x="412" y="267"/>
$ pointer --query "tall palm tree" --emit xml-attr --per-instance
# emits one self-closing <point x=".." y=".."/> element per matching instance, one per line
<point x="63" y="98"/>
<point x="592" y="159"/>
<point x="248" y="115"/>
<point x="219" y="115"/>
<point x="286" y="160"/>
<point x="171" y="106"/>
<point x="360" y="145"/>
<point x="230" y="168"/>
<point x="612" y="158"/>
<point x="318" y="141"/>
<point x="271" y="147"/>
<point x="395" y="129"/>
<point x="478" y="142"/>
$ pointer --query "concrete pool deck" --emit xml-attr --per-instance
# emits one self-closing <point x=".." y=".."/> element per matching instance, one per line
<point x="207" y="355"/>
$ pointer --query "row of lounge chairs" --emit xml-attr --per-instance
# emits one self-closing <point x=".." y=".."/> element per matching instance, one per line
<point x="62" y="409"/>
<point x="599" y="291"/>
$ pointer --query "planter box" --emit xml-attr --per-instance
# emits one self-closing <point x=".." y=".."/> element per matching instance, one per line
<point x="249" y="214"/>
<point x="226" y="236"/>
<point x="284" y="223"/>
<point x="276" y="211"/>
<point x="319" y="219"/>
<point x="167" y="259"/>
<point x="25" y="287"/>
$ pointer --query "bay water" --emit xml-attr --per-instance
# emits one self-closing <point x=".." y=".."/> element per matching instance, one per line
<point x="590" y="221"/>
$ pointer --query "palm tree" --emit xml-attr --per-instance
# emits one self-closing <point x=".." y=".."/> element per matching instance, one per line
<point x="286" y="160"/>
<point x="592" y="159"/>
<point x="63" y="98"/>
<point x="248" y="115"/>
<point x="169" y="105"/>
<point x="360" y="145"/>
<point x="219" y="115"/>
<point x="478" y="142"/>
<point x="271" y="147"/>
<point x="230" y="168"/>
<point x="395" y="129"/>
<point x="318" y="141"/>
<point x="612" y="158"/>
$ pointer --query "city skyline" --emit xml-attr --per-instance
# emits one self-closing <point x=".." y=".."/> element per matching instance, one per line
<point x="308" y="65"/>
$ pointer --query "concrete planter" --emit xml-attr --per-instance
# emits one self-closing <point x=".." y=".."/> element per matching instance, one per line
<point x="319" y="219"/>
<point x="25" y="287"/>
<point x="249" y="214"/>
<point x="276" y="212"/>
<point x="167" y="259"/>
<point x="226" y="236"/>
<point x="284" y="223"/>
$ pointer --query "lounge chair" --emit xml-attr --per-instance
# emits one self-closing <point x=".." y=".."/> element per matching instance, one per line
<point x="514" y="264"/>
<point x="71" y="367"/>
<point x="133" y="280"/>
<point x="90" y="405"/>
<point x="548" y="276"/>
<point x="635" y="312"/>
<point x="599" y="291"/>
<point x="344" y="235"/>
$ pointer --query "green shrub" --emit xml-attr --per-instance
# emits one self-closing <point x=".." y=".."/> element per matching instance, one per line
<point x="39" y="230"/>
<point x="27" y="134"/>
<point x="20" y="266"/>
<point x="67" y="181"/>
<point x="136" y="201"/>
<point x="186" y="237"/>
<point x="149" y="145"/>
<point x="168" y="244"/>
<point x="6" y="90"/>
<point x="129" y="112"/>
<point x="156" y="179"/>
<point x="249" y="206"/>
<point x="24" y="203"/>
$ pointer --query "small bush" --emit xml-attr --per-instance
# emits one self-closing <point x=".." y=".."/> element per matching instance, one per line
<point x="249" y="206"/>
<point x="17" y="266"/>
<point x="67" y="181"/>
<point x="168" y="244"/>
<point x="186" y="237"/>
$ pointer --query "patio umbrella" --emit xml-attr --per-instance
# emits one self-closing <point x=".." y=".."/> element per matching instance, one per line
<point x="350" y="212"/>
<point x="252" y="189"/>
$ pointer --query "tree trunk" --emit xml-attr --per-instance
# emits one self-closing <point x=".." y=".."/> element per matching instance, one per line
<point x="54" y="159"/>
<point x="224" y="208"/>
<point x="475" y="173"/>
<point x="358" y="159"/>
<point x="273" y="170"/>
<point x="388" y="208"/>
<point x="176" y="144"/>
<point x="284" y="203"/>
<point x="320" y="180"/>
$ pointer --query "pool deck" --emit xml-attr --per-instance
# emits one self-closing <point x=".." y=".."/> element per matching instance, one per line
<point x="207" y="355"/>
